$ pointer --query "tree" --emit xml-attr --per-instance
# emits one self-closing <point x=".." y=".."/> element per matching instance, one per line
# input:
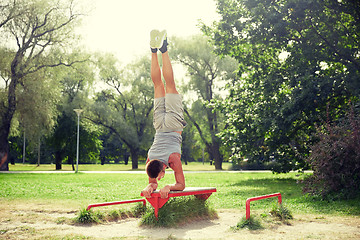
<point x="125" y="107"/>
<point x="9" y="10"/>
<point x="206" y="72"/>
<point x="63" y="141"/>
<point x="76" y="86"/>
<point x="189" y="146"/>
<point x="37" y="32"/>
<point x="295" y="58"/>
<point x="113" y="149"/>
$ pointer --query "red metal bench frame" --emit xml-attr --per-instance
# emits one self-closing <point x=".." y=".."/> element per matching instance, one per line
<point x="259" y="198"/>
<point x="157" y="202"/>
<point x="115" y="203"/>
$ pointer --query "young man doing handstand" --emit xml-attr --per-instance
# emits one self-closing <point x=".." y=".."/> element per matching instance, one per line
<point x="168" y="122"/>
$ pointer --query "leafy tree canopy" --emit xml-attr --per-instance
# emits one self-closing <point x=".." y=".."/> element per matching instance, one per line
<point x="295" y="58"/>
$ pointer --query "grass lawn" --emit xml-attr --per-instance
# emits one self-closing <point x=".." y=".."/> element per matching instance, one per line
<point x="233" y="188"/>
<point x="41" y="206"/>
<point x="192" y="166"/>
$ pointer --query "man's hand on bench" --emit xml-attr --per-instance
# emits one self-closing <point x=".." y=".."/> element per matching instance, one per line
<point x="148" y="191"/>
<point x="164" y="192"/>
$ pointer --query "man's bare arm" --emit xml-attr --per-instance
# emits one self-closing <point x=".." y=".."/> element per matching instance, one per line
<point x="175" y="164"/>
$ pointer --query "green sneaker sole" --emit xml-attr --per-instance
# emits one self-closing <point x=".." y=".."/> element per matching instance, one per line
<point x="156" y="38"/>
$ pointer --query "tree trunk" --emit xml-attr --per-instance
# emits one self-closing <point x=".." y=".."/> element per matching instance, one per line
<point x="71" y="161"/>
<point x="7" y="117"/>
<point x="24" y="148"/>
<point x="58" y="160"/>
<point x="5" y="128"/>
<point x="126" y="158"/>
<point x="39" y="151"/>
<point x="134" y="158"/>
<point x="218" y="159"/>
<point x="4" y="145"/>
<point x="215" y="142"/>
<point x="4" y="166"/>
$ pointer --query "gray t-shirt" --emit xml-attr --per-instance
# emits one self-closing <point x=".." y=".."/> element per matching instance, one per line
<point x="165" y="143"/>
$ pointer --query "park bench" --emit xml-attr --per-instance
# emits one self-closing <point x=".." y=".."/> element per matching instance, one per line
<point x="200" y="192"/>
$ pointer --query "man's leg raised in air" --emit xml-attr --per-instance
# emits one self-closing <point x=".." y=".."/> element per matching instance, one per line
<point x="167" y="70"/>
<point x="159" y="90"/>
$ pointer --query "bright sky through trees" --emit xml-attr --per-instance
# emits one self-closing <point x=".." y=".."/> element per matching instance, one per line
<point x="122" y="26"/>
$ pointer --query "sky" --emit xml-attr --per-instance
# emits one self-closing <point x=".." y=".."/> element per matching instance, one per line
<point x="123" y="27"/>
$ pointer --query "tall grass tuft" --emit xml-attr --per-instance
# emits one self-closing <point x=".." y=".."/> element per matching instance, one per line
<point x="139" y="210"/>
<point x="87" y="216"/>
<point x="278" y="211"/>
<point x="281" y="212"/>
<point x="178" y="211"/>
<point x="253" y="223"/>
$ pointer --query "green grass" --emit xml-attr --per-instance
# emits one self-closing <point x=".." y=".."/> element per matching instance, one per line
<point x="192" y="166"/>
<point x="233" y="189"/>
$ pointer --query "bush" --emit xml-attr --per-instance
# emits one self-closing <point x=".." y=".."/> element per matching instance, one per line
<point x="251" y="165"/>
<point x="335" y="160"/>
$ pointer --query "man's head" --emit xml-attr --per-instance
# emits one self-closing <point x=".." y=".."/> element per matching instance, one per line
<point x="155" y="169"/>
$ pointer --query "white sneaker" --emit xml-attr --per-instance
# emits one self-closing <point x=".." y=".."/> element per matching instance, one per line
<point x="157" y="38"/>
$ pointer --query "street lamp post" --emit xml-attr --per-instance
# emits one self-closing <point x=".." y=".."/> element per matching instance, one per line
<point x="78" y="112"/>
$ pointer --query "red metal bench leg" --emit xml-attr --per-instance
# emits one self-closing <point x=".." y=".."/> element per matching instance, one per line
<point x="156" y="212"/>
<point x="157" y="203"/>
